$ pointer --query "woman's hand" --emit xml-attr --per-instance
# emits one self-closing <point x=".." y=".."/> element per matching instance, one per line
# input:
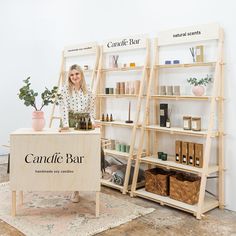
<point x="63" y="129"/>
<point x="96" y="125"/>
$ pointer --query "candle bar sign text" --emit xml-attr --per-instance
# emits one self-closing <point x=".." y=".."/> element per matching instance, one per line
<point x="57" y="157"/>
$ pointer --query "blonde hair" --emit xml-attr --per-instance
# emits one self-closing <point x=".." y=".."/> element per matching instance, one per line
<point x="83" y="83"/>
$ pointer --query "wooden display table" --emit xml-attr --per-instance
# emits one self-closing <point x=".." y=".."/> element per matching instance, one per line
<point x="53" y="161"/>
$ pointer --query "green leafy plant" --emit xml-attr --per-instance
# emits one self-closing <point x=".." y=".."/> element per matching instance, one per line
<point x="29" y="96"/>
<point x="203" y="81"/>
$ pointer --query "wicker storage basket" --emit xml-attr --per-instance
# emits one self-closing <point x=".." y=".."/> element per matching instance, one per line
<point x="185" y="188"/>
<point x="157" y="181"/>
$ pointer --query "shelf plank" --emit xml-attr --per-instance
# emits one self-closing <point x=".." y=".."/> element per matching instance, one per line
<point x="116" y="186"/>
<point x="117" y="153"/>
<point x="196" y="64"/>
<point x="110" y="184"/>
<point x="136" y="68"/>
<point x="116" y="123"/>
<point x="121" y="154"/>
<point x="181" y="97"/>
<point x="209" y="202"/>
<point x="171" y="164"/>
<point x="89" y="71"/>
<point x="117" y="95"/>
<point x="85" y="71"/>
<point x="180" y="131"/>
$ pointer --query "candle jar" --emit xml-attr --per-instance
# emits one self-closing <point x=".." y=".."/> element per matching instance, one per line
<point x="132" y="64"/>
<point x="118" y="146"/>
<point x="113" y="144"/>
<point x="111" y="90"/>
<point x="187" y="122"/>
<point x="127" y="148"/>
<point x="118" y="88"/>
<point x="122" y="87"/>
<point x="86" y="67"/>
<point x="176" y="90"/>
<point x="159" y="155"/>
<point x="107" y="91"/>
<point x="196" y="124"/>
<point x="169" y="90"/>
<point x="123" y="147"/>
<point x="164" y="157"/>
<point x="162" y="90"/>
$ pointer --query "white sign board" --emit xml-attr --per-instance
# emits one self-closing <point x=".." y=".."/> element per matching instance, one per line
<point x="53" y="161"/>
<point x="189" y="34"/>
<point x="125" y="43"/>
<point x="81" y="49"/>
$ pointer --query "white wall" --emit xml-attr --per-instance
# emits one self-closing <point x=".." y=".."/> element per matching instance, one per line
<point x="33" y="34"/>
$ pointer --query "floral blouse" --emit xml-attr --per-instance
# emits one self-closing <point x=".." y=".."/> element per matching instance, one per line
<point x="76" y="102"/>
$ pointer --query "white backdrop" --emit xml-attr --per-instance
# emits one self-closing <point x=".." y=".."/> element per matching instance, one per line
<point x="33" y="34"/>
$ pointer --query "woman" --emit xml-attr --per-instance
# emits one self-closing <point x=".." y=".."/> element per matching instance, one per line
<point x="76" y="97"/>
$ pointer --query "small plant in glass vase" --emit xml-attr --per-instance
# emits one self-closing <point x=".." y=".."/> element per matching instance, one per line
<point x="199" y="85"/>
<point x="28" y="95"/>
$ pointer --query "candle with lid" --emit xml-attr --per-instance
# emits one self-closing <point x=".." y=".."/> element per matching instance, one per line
<point x="187" y="122"/>
<point x="196" y="124"/>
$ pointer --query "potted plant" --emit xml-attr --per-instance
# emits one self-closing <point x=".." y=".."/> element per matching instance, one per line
<point x="29" y="97"/>
<point x="198" y="85"/>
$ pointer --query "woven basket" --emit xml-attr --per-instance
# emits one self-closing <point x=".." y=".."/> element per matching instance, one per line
<point x="157" y="181"/>
<point x="185" y="188"/>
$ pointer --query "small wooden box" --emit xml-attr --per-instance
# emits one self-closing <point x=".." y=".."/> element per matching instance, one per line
<point x="185" y="153"/>
<point x="191" y="154"/>
<point x="198" y="155"/>
<point x="178" y="151"/>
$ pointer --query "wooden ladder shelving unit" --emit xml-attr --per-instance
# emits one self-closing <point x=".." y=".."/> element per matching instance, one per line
<point x="205" y="203"/>
<point x="76" y="52"/>
<point x="141" y="43"/>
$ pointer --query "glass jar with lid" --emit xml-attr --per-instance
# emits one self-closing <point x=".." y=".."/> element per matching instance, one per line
<point x="187" y="122"/>
<point x="196" y="123"/>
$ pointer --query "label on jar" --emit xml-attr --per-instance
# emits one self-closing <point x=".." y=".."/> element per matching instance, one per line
<point x="186" y="124"/>
<point x="198" y="51"/>
<point x="194" y="125"/>
<point x="162" y="112"/>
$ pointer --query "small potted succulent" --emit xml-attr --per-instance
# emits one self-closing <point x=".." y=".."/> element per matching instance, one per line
<point x="29" y="97"/>
<point x="199" y="85"/>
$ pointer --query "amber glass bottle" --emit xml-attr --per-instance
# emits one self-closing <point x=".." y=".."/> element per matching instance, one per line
<point x="90" y="124"/>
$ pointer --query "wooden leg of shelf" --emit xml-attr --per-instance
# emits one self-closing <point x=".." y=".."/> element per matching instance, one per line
<point x="21" y="197"/>
<point x="135" y="177"/>
<point x="97" y="204"/>
<point x="198" y="217"/>
<point x="13" y="209"/>
<point x="201" y="196"/>
<point x="127" y="174"/>
<point x="221" y="173"/>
